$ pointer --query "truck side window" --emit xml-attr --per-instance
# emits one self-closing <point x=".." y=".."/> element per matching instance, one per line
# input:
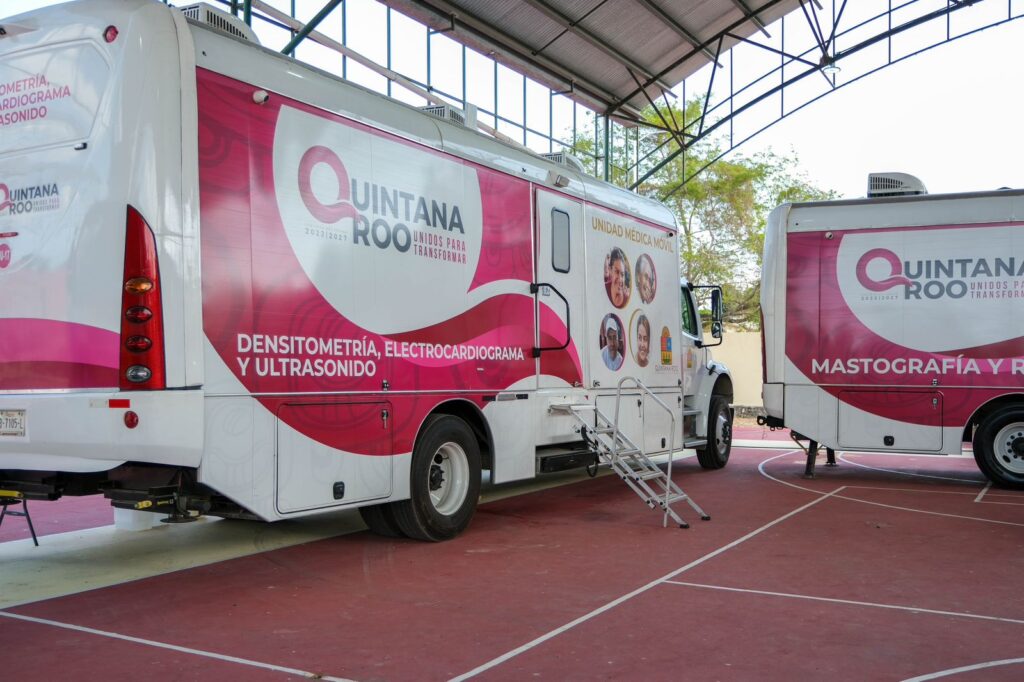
<point x="559" y="240"/>
<point x="689" y="318"/>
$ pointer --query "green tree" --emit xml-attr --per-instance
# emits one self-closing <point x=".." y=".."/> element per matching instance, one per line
<point x="721" y="204"/>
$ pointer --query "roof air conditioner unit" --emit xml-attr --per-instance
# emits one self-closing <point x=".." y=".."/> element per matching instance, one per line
<point x="894" y="185"/>
<point x="222" y="21"/>
<point x="446" y="112"/>
<point x="566" y="159"/>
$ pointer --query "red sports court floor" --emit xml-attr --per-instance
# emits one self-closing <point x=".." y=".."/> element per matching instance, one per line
<point x="887" y="568"/>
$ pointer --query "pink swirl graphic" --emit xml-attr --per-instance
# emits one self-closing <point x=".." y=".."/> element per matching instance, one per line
<point x="895" y="278"/>
<point x="324" y="213"/>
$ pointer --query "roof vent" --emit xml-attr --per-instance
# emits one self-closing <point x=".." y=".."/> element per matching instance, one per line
<point x="446" y="112"/>
<point x="894" y="185"/>
<point x="222" y="21"/>
<point x="566" y="159"/>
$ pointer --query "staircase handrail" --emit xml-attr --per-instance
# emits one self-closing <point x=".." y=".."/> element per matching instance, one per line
<point x="671" y="434"/>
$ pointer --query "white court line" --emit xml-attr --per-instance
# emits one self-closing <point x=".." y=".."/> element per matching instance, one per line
<point x="987" y="500"/>
<point x="760" y="468"/>
<point x="172" y="647"/>
<point x="626" y="597"/>
<point x="842" y="458"/>
<point x="983" y="491"/>
<point x="924" y="491"/>
<point x="848" y="601"/>
<point x="933" y="513"/>
<point x="964" y="669"/>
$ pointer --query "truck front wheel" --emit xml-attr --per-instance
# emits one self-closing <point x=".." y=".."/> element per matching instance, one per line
<point x="444" y="481"/>
<point x="380" y="519"/>
<point x="999" y="446"/>
<point x="715" y="454"/>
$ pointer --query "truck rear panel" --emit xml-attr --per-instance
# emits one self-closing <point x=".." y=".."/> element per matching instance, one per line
<point x="93" y="181"/>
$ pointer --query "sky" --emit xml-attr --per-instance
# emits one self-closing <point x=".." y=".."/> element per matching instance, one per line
<point x="950" y="116"/>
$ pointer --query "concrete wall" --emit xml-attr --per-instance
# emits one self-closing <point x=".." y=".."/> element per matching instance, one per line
<point x="741" y="353"/>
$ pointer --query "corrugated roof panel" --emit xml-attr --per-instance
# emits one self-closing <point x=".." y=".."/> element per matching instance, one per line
<point x="652" y="43"/>
<point x="523" y="21"/>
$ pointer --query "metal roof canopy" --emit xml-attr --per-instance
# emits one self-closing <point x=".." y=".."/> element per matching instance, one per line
<point x="573" y="47"/>
<point x="615" y="56"/>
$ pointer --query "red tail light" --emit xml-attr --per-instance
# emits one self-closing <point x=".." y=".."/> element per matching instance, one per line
<point x="142" y="333"/>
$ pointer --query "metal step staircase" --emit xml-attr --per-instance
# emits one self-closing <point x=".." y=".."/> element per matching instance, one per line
<point x="612" y="447"/>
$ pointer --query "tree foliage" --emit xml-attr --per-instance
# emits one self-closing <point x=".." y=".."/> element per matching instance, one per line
<point x="721" y="204"/>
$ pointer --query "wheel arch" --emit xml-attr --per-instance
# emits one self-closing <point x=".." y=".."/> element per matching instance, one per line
<point x="474" y="417"/>
<point x="723" y="386"/>
<point x="988" y="408"/>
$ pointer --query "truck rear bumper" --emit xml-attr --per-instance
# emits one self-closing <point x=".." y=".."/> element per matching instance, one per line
<point x="87" y="431"/>
<point x="772" y="397"/>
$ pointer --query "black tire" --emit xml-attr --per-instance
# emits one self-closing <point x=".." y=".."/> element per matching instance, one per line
<point x="444" y="483"/>
<point x="715" y="454"/>
<point x="380" y="519"/>
<point x="999" y="446"/>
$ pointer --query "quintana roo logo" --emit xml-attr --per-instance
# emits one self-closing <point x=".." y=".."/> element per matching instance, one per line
<point x="325" y="213"/>
<point x="895" y="277"/>
<point x="5" y="198"/>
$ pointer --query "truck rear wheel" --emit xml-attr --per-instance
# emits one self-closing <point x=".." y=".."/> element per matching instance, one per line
<point x="999" y="446"/>
<point x="715" y="454"/>
<point x="444" y="481"/>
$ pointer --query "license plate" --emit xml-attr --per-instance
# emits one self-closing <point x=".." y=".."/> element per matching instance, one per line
<point x="12" y="423"/>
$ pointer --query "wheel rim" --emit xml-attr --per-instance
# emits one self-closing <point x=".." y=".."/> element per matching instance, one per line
<point x="448" y="478"/>
<point x="1009" y="447"/>
<point x="723" y="431"/>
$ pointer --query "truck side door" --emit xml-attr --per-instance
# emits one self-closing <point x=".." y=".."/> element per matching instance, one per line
<point x="560" y="269"/>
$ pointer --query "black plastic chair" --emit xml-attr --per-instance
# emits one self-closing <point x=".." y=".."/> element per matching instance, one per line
<point x="11" y="498"/>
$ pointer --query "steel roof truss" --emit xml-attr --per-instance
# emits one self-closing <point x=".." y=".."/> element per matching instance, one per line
<point x="671" y="130"/>
<point x="753" y="17"/>
<point x="520" y="51"/>
<point x="680" y="30"/>
<point x="697" y="50"/>
<point x="711" y="87"/>
<point x="771" y="49"/>
<point x="310" y="25"/>
<point x="705" y="131"/>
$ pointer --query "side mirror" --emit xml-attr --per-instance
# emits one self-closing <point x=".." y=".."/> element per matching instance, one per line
<point x="716" y="330"/>
<point x="717" y="314"/>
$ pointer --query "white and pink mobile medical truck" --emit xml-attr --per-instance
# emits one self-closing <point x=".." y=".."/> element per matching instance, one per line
<point x="232" y="284"/>
<point x="896" y="324"/>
